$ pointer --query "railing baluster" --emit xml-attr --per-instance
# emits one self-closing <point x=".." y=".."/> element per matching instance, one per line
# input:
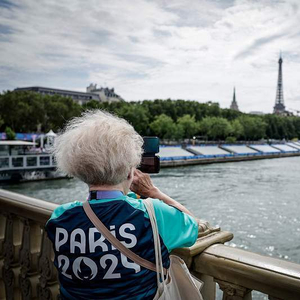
<point x="2" y="286"/>
<point x="11" y="268"/>
<point x="234" y="292"/>
<point x="29" y="253"/>
<point x="2" y="236"/>
<point x="48" y="287"/>
<point x="208" y="290"/>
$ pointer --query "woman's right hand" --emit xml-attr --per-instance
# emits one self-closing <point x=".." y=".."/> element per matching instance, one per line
<point x="143" y="185"/>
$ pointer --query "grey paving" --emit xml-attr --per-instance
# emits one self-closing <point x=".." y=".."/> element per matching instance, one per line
<point x="208" y="150"/>
<point x="265" y="148"/>
<point x="297" y="146"/>
<point x="239" y="149"/>
<point x="173" y="151"/>
<point x="284" y="147"/>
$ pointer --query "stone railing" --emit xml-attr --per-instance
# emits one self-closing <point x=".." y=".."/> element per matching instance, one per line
<point x="27" y="271"/>
<point x="25" y="251"/>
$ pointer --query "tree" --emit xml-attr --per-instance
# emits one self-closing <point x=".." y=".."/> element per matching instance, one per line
<point x="25" y="111"/>
<point x="213" y="109"/>
<point x="237" y="129"/>
<point x="58" y="110"/>
<point x="215" y="128"/>
<point x="188" y="125"/>
<point x="93" y="104"/>
<point x="136" y="115"/>
<point x="230" y="140"/>
<point x="296" y="122"/>
<point x="230" y="114"/>
<point x="22" y="111"/>
<point x="254" y="127"/>
<point x="10" y="134"/>
<point x="164" y="127"/>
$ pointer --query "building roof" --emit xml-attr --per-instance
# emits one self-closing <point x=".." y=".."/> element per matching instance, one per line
<point x="53" y="89"/>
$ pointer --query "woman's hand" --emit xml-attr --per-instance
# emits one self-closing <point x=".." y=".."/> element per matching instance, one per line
<point x="143" y="186"/>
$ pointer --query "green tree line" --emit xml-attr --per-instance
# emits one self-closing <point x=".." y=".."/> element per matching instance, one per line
<point x="169" y="119"/>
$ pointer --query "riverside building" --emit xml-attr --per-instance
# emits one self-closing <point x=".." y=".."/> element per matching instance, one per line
<point x="92" y="93"/>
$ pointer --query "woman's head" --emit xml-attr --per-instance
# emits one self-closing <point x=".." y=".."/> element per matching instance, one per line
<point x="98" y="148"/>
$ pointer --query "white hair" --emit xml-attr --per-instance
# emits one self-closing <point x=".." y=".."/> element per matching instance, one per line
<point x="98" y="148"/>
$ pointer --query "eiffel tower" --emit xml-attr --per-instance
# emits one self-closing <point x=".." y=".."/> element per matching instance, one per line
<point x="279" y="107"/>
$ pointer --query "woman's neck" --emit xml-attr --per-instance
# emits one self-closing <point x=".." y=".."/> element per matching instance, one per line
<point x="117" y="187"/>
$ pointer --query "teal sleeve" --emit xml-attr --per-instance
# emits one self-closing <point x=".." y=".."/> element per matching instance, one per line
<point x="176" y="228"/>
<point x="132" y="195"/>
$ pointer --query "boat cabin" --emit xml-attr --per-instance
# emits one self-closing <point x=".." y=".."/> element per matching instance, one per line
<point x="16" y="148"/>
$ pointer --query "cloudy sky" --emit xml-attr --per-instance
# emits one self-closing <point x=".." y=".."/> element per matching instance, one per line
<point x="148" y="49"/>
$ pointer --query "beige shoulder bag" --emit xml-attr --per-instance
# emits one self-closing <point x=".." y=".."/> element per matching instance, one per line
<point x="178" y="284"/>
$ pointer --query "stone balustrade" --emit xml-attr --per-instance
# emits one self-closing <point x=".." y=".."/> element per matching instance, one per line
<point x="27" y="271"/>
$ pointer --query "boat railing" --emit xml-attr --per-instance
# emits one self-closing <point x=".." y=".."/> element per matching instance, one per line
<point x="24" y="162"/>
<point x="27" y="270"/>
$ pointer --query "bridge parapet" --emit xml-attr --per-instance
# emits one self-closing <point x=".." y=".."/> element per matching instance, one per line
<point x="27" y="270"/>
<point x="26" y="255"/>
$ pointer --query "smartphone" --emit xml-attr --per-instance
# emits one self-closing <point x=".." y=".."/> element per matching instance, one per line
<point x="150" y="161"/>
<point x="150" y="164"/>
<point x="151" y="144"/>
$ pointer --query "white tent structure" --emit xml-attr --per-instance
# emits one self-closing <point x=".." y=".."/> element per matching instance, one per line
<point x="50" y="139"/>
<point x="51" y="134"/>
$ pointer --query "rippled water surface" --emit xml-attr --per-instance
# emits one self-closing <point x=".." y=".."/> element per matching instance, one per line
<point x="258" y="201"/>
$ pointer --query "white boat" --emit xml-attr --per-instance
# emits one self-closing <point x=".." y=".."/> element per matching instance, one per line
<point x="22" y="161"/>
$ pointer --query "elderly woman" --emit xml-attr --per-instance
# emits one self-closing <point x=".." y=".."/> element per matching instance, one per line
<point x="103" y="151"/>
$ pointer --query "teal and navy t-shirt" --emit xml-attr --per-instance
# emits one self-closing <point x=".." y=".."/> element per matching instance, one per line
<point x="91" y="268"/>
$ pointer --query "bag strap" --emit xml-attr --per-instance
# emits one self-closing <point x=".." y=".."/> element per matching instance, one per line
<point x="160" y="270"/>
<point x="114" y="241"/>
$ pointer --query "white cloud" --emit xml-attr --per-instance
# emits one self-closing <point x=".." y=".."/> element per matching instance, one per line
<point x="155" y="49"/>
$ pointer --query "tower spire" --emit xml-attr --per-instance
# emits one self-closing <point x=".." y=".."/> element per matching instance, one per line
<point x="279" y="107"/>
<point x="234" y="105"/>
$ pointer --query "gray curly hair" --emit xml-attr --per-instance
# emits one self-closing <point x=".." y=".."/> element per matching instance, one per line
<point x="98" y="148"/>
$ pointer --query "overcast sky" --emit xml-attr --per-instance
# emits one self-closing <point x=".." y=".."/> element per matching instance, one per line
<point x="193" y="50"/>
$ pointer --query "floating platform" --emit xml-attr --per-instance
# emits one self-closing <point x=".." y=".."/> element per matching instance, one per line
<point x="175" y="156"/>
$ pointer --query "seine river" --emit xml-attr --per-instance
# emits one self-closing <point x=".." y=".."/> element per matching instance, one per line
<point x="258" y="201"/>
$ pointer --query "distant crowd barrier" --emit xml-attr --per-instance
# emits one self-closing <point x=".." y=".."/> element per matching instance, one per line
<point x="27" y="270"/>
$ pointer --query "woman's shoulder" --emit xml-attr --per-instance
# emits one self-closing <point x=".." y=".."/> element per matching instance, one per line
<point x="136" y="202"/>
<point x="61" y="209"/>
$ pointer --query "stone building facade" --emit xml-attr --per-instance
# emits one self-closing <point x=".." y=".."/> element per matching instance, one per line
<point x="92" y="93"/>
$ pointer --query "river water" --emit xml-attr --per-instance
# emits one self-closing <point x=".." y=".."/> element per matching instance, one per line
<point x="258" y="201"/>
